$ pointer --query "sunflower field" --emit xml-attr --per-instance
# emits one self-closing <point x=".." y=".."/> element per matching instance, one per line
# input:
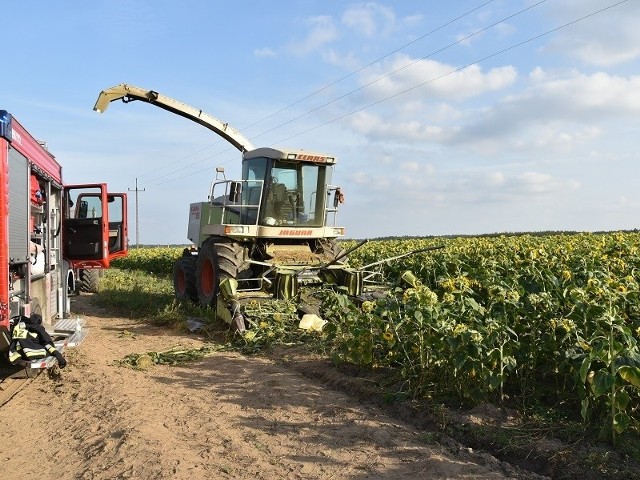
<point x="524" y="320"/>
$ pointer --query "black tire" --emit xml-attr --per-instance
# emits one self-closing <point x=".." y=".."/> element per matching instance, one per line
<point x="218" y="258"/>
<point x="231" y="261"/>
<point x="207" y="271"/>
<point x="184" y="279"/>
<point x="89" y="280"/>
<point x="332" y="248"/>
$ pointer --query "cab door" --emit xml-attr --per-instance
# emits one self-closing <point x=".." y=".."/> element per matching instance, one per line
<point x="94" y="225"/>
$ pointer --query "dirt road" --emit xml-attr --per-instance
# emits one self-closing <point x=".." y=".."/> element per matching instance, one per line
<point x="227" y="416"/>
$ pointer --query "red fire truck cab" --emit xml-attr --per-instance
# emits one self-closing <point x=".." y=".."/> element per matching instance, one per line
<point x="48" y="230"/>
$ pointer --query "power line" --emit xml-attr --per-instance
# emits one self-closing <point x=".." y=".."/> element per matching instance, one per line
<point x="325" y="87"/>
<point x="137" y="229"/>
<point x="478" y="32"/>
<point x="529" y="40"/>
<point x="335" y="82"/>
<point x="519" y="44"/>
<point x="184" y="167"/>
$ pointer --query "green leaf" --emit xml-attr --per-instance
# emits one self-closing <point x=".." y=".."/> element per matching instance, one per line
<point x="622" y="400"/>
<point x="458" y="362"/>
<point x="367" y="357"/>
<point x="584" y="410"/>
<point x="602" y="383"/>
<point x="475" y="306"/>
<point x="623" y="329"/>
<point x="584" y="369"/>
<point x="343" y="301"/>
<point x="621" y="422"/>
<point x="630" y="374"/>
<point x="511" y="331"/>
<point x="510" y="362"/>
<point x="494" y="381"/>
<point x="617" y="347"/>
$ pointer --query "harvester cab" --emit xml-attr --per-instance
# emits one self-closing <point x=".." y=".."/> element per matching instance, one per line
<point x="262" y="236"/>
<point x="283" y="194"/>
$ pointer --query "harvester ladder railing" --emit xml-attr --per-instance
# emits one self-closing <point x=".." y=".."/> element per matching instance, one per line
<point x="330" y="209"/>
<point x="243" y="209"/>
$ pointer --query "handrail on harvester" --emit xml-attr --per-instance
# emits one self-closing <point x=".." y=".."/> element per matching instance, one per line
<point x="128" y="93"/>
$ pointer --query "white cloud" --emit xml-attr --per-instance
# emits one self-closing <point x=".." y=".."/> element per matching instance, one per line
<point x="436" y="80"/>
<point x="373" y="125"/>
<point x="321" y="31"/>
<point x="549" y="111"/>
<point x="347" y="61"/>
<point x="370" y="181"/>
<point x="625" y="204"/>
<point x="460" y="189"/>
<point x="609" y="38"/>
<point x="505" y="29"/>
<point x="410" y="166"/>
<point x="499" y="186"/>
<point x="601" y="91"/>
<point x="370" y="19"/>
<point x="264" y="52"/>
<point x="563" y="140"/>
<point x="555" y="110"/>
<point x="412" y="20"/>
<point x="496" y="179"/>
<point x="534" y="182"/>
<point x="468" y="37"/>
<point x="360" y="178"/>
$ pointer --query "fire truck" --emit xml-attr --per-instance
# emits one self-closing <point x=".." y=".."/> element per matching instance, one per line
<point x="49" y="233"/>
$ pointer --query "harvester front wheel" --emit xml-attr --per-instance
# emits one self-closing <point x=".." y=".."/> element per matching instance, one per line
<point x="184" y="279"/>
<point x="207" y="271"/>
<point x="334" y="248"/>
<point x="231" y="261"/>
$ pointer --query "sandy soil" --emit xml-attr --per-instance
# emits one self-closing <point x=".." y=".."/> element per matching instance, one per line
<point x="227" y="416"/>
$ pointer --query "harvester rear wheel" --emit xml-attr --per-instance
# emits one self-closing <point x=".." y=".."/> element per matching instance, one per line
<point x="184" y="279"/>
<point x="207" y="272"/>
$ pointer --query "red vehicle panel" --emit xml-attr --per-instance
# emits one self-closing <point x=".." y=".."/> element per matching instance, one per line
<point x="44" y="239"/>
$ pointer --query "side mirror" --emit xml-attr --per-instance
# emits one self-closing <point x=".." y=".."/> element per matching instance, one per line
<point x="338" y="198"/>
<point x="235" y="190"/>
<point x="84" y="209"/>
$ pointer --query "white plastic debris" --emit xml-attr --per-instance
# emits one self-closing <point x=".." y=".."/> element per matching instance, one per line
<point x="310" y="321"/>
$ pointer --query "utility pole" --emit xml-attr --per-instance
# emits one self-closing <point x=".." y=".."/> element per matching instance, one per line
<point x="137" y="231"/>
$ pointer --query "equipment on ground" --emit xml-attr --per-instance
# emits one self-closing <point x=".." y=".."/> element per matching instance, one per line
<point x="50" y="234"/>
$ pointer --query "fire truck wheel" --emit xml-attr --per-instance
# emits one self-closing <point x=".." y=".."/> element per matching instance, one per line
<point x="184" y="279"/>
<point x="207" y="274"/>
<point x="89" y="281"/>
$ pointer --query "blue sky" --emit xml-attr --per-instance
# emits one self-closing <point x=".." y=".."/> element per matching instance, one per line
<point x="446" y="117"/>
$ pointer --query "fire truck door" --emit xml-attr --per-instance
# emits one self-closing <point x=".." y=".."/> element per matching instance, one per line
<point x="94" y="229"/>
